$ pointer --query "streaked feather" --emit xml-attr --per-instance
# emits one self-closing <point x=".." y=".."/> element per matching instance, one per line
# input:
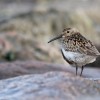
<point x="78" y="43"/>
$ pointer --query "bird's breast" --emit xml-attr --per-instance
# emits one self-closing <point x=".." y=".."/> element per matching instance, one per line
<point x="78" y="58"/>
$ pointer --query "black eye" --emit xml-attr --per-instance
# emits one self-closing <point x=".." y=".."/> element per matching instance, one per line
<point x="67" y="31"/>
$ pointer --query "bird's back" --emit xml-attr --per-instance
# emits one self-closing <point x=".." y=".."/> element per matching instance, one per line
<point x="79" y="44"/>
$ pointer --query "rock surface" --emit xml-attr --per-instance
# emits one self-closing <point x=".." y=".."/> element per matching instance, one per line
<point x="34" y="80"/>
<point x="49" y="86"/>
<point x="18" y="68"/>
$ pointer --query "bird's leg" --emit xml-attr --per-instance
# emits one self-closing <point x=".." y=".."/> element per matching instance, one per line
<point x="82" y="70"/>
<point x="76" y="69"/>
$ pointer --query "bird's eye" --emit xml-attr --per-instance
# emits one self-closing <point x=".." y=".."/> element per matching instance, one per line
<point x="67" y="31"/>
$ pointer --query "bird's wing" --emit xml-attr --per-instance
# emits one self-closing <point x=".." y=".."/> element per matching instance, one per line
<point x="82" y="45"/>
<point x="89" y="49"/>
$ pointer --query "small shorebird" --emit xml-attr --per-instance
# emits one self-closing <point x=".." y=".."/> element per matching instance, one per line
<point x="76" y="49"/>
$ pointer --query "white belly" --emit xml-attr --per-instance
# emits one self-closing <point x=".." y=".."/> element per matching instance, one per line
<point x="80" y="59"/>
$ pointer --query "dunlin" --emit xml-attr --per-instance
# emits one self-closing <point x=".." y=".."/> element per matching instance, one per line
<point x="76" y="49"/>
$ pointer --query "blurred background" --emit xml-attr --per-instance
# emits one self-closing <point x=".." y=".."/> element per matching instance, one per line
<point x="27" y="25"/>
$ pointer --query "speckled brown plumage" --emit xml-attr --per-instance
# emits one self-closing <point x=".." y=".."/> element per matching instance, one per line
<point x="76" y="49"/>
<point x="77" y="43"/>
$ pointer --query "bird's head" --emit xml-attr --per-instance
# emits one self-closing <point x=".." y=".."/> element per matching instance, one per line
<point x="65" y="33"/>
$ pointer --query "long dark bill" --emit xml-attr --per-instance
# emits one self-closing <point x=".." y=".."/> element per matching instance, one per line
<point x="55" y="38"/>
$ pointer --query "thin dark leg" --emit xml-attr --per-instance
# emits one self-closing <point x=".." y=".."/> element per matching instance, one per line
<point x="82" y="70"/>
<point x="76" y="69"/>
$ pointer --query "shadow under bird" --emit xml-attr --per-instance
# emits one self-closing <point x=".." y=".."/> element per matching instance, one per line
<point x="76" y="49"/>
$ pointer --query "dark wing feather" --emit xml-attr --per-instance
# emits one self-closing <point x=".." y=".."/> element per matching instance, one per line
<point x="91" y="49"/>
<point x="81" y="45"/>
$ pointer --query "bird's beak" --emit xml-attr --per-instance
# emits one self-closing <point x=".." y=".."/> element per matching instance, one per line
<point x="56" y="38"/>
